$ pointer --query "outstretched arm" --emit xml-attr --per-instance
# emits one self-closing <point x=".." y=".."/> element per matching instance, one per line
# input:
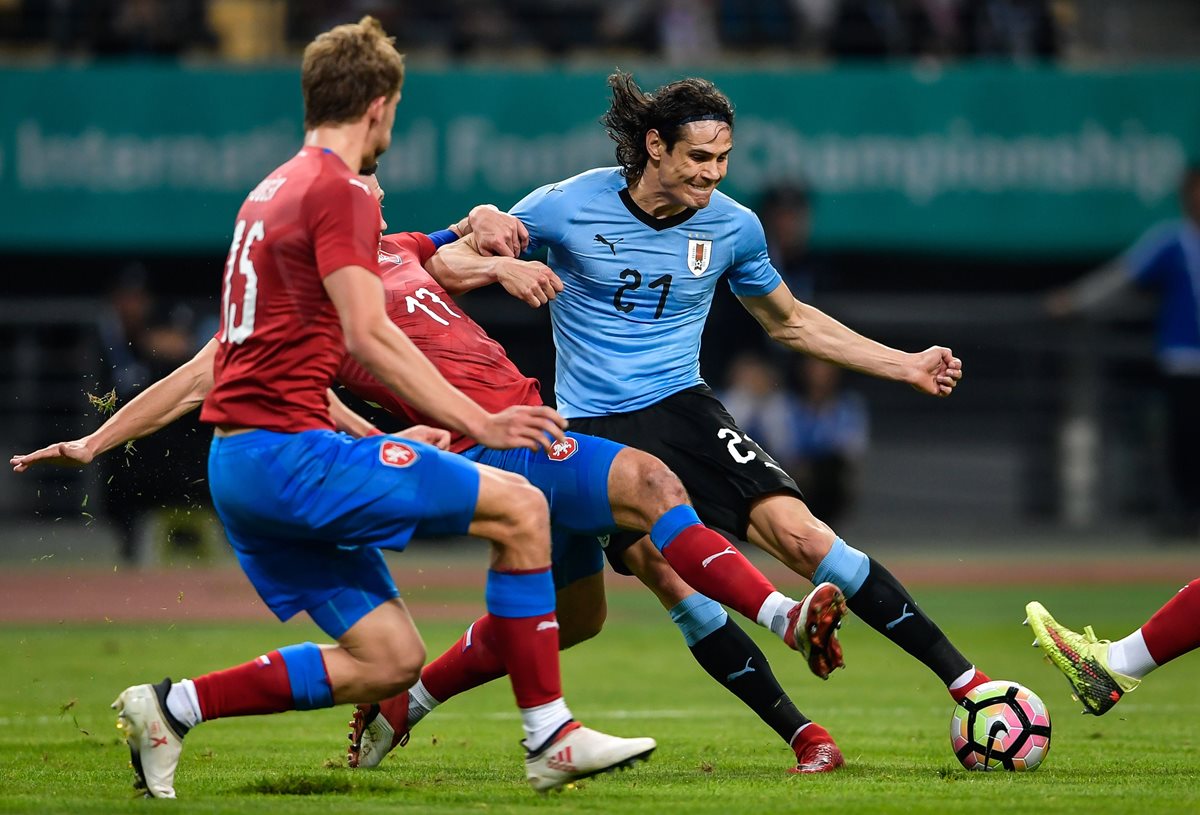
<point x="459" y="267"/>
<point x="180" y="392"/>
<point x="803" y="328"/>
<point x="1092" y="291"/>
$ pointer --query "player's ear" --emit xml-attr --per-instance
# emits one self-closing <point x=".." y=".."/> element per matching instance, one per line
<point x="377" y="109"/>
<point x="654" y="145"/>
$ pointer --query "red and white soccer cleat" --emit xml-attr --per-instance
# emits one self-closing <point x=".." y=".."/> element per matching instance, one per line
<point x="813" y="624"/>
<point x="816" y="752"/>
<point x="373" y="736"/>
<point x="579" y="752"/>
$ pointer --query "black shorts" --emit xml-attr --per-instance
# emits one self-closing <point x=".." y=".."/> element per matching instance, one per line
<point x="723" y="469"/>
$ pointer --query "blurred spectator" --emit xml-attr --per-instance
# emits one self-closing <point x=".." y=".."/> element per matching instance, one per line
<point x="831" y="430"/>
<point x="756" y="398"/>
<point x="786" y="215"/>
<point x="1165" y="260"/>
<point x="866" y="29"/>
<point x="1017" y="29"/>
<point x="140" y="344"/>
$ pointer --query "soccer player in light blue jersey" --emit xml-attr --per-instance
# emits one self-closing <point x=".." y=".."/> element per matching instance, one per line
<point x="640" y="248"/>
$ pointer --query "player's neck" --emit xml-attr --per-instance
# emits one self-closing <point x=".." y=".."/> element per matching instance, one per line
<point x="347" y="142"/>
<point x="653" y="200"/>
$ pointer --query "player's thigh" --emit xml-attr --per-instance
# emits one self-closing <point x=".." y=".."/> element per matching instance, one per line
<point x="508" y="508"/>
<point x="574" y="477"/>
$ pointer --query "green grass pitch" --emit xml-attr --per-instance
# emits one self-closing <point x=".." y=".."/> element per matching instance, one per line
<point x="60" y="752"/>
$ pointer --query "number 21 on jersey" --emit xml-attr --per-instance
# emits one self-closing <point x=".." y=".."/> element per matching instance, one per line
<point x="237" y="312"/>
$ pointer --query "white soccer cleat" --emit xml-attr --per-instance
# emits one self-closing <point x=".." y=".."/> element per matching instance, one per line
<point x="372" y="736"/>
<point x="579" y="752"/>
<point x="154" y="746"/>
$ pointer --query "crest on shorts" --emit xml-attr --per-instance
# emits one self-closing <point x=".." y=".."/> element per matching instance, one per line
<point x="397" y="454"/>
<point x="563" y="450"/>
<point x="698" y="255"/>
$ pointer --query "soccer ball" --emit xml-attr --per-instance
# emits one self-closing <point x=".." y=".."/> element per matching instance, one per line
<point x="1000" y="725"/>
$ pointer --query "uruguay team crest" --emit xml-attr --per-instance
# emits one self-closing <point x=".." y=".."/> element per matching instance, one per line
<point x="397" y="454"/>
<point x="563" y="450"/>
<point x="698" y="255"/>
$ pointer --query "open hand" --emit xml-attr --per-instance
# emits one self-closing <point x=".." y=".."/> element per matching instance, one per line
<point x="64" y="454"/>
<point x="529" y="281"/>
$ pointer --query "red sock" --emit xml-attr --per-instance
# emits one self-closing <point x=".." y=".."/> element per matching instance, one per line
<point x="714" y="567"/>
<point x="958" y="694"/>
<point x="1175" y="628"/>
<point x="530" y="649"/>
<point x="812" y="734"/>
<point x="467" y="664"/>
<point x="261" y="686"/>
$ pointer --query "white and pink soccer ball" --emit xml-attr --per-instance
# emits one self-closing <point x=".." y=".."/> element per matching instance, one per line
<point x="1000" y="726"/>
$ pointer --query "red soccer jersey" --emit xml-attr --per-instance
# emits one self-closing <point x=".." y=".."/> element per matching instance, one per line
<point x="462" y="351"/>
<point x="280" y="339"/>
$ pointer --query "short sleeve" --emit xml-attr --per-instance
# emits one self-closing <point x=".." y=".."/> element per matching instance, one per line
<point x="542" y="213"/>
<point x="418" y="243"/>
<point x="752" y="273"/>
<point x="343" y="219"/>
<point x="1145" y="260"/>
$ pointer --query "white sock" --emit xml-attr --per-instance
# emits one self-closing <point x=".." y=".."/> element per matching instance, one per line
<point x="773" y="613"/>
<point x="184" y="704"/>
<point x="420" y="704"/>
<point x="540" y="722"/>
<point x="1130" y="656"/>
<point x="963" y="679"/>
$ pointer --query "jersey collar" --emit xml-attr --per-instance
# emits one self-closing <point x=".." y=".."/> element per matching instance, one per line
<point x="657" y="224"/>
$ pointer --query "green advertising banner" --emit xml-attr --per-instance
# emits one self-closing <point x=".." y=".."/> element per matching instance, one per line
<point x="996" y="160"/>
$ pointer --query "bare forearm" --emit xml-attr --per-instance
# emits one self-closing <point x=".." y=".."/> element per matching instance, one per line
<point x="459" y="268"/>
<point x="179" y="393"/>
<point x="347" y="420"/>
<point x="811" y="331"/>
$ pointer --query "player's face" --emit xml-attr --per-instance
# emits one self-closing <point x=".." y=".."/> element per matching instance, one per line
<point x="381" y="130"/>
<point x="376" y="190"/>
<point x="692" y="169"/>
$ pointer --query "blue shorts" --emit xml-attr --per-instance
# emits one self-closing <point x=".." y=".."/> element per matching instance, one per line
<point x="307" y="514"/>
<point x="575" y="481"/>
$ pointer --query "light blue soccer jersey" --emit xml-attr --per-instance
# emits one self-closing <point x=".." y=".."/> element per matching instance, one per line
<point x="636" y="290"/>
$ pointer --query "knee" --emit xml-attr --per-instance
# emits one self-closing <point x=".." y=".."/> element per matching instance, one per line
<point x="527" y="518"/>
<point x="659" y="488"/>
<point x="396" y="673"/>
<point x="804" y="539"/>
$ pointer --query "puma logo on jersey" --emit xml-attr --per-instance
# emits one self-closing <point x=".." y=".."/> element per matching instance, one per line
<point x="728" y="550"/>
<point x="610" y="244"/>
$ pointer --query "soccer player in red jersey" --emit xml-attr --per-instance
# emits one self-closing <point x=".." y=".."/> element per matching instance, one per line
<point x="307" y="509"/>
<point x="594" y="486"/>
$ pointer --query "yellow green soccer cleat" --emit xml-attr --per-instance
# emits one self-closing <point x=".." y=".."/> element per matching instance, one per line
<point x="1082" y="658"/>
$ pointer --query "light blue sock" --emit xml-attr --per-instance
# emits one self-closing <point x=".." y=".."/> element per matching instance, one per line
<point x="844" y="567"/>
<point x="697" y="616"/>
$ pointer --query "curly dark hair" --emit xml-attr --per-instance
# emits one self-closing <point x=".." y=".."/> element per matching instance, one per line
<point x="634" y="113"/>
